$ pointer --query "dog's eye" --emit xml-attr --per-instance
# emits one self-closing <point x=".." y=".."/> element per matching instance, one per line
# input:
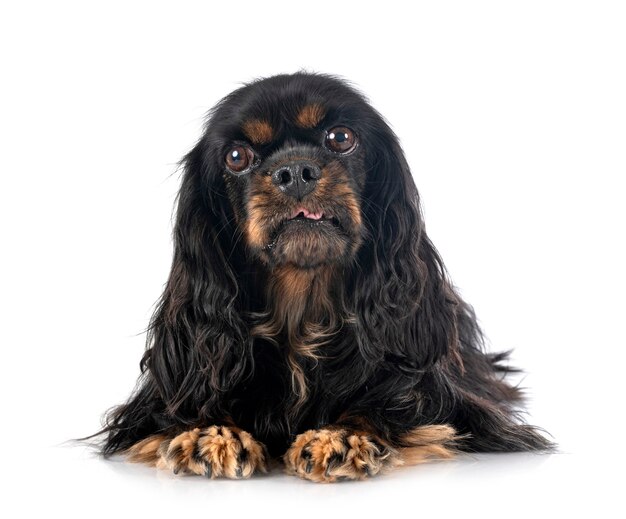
<point x="341" y="140"/>
<point x="239" y="158"/>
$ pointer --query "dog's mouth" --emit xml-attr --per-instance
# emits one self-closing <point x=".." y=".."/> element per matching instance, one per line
<point x="305" y="225"/>
<point x="304" y="215"/>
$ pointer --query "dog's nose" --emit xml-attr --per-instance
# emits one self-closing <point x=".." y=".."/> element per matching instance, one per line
<point x="297" y="178"/>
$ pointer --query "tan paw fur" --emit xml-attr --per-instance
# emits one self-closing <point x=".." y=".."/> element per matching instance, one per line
<point x="212" y="452"/>
<point x="328" y="455"/>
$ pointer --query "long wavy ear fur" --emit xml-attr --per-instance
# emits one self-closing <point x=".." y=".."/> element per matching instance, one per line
<point x="408" y="314"/>
<point x="402" y="299"/>
<point x="198" y="345"/>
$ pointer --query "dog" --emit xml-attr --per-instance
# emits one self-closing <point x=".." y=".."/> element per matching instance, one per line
<point x="307" y="318"/>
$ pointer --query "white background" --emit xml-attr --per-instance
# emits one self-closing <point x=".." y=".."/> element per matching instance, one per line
<point x="513" y="118"/>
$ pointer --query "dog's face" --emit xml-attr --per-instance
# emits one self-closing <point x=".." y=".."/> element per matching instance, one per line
<point x="293" y="152"/>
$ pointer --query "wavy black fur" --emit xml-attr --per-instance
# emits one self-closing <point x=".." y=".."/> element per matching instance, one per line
<point x="407" y="350"/>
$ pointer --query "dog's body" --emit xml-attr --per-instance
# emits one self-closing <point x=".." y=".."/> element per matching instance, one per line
<point x="307" y="312"/>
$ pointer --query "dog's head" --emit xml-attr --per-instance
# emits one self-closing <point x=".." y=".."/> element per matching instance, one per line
<point x="295" y="154"/>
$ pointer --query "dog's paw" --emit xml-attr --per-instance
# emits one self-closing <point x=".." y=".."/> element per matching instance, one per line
<point x="214" y="452"/>
<point x="328" y="455"/>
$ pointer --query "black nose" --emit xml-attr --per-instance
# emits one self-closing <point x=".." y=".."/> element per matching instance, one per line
<point x="297" y="178"/>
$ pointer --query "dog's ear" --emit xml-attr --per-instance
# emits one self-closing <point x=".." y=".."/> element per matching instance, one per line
<point x="198" y="343"/>
<point x="405" y="308"/>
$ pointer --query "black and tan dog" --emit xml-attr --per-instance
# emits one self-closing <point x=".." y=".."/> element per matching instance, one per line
<point x="307" y="315"/>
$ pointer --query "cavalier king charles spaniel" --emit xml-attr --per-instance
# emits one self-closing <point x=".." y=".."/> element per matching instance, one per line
<point x="308" y="318"/>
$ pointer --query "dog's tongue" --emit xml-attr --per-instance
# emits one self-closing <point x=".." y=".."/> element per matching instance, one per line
<point x="307" y="214"/>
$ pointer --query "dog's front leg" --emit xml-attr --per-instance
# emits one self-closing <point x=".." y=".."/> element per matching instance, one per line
<point x="216" y="451"/>
<point x="344" y="452"/>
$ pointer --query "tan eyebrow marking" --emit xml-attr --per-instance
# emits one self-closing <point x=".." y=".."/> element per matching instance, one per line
<point x="310" y="116"/>
<point x="258" y="131"/>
